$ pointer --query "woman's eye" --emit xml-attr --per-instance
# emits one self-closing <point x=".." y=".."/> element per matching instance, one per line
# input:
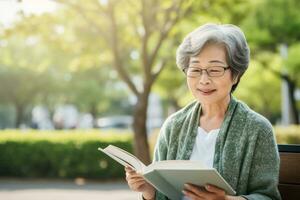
<point x="214" y="71"/>
<point x="195" y="70"/>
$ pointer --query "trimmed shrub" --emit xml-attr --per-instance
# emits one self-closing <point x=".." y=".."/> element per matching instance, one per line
<point x="60" y="154"/>
<point x="71" y="154"/>
<point x="288" y="134"/>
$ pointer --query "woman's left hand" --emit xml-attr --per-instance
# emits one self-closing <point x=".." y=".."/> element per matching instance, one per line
<point x="209" y="192"/>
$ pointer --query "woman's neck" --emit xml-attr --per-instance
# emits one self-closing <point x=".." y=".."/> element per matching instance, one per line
<point x="215" y="110"/>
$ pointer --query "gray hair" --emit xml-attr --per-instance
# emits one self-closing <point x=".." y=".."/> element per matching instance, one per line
<point x="231" y="36"/>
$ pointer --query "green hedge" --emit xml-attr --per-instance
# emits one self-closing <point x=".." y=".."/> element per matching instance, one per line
<point x="60" y="154"/>
<point x="287" y="134"/>
<point x="70" y="154"/>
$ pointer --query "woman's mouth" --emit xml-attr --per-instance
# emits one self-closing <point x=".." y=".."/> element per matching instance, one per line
<point x="206" y="92"/>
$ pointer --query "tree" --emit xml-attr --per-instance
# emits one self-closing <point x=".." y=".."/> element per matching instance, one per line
<point x="20" y="85"/>
<point x="92" y="92"/>
<point x="139" y="30"/>
<point x="277" y="26"/>
<point x="260" y="88"/>
<point x="136" y="29"/>
<point x="138" y="39"/>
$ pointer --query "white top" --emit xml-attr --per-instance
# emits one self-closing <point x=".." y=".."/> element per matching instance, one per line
<point x="204" y="147"/>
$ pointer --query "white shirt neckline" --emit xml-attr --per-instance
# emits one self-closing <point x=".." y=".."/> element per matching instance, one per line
<point x="202" y="130"/>
<point x="204" y="146"/>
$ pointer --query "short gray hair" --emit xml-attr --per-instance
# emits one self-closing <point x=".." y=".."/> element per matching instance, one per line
<point x="231" y="36"/>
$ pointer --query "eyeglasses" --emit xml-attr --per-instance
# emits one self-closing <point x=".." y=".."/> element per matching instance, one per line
<point x="213" y="71"/>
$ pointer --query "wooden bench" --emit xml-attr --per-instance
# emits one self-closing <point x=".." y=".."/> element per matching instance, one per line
<point x="289" y="178"/>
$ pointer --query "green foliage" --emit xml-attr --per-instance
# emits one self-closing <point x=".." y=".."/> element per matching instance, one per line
<point x="293" y="62"/>
<point x="281" y="18"/>
<point x="271" y="24"/>
<point x="260" y="88"/>
<point x="60" y="154"/>
<point x="62" y="61"/>
<point x="68" y="58"/>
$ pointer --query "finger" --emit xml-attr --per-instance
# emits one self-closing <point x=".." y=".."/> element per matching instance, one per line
<point x="135" y="175"/>
<point x="136" y="178"/>
<point x="129" y="169"/>
<point x="195" y="189"/>
<point x="131" y="172"/>
<point x="191" y="195"/>
<point x="129" y="178"/>
<point x="136" y="184"/>
<point x="214" y="189"/>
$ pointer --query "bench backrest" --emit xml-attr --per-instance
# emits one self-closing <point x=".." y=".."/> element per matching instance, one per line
<point x="289" y="178"/>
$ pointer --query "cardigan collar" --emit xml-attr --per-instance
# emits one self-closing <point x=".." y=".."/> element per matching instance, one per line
<point x="190" y="129"/>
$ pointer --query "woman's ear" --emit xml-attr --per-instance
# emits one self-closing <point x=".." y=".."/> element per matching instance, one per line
<point x="235" y="80"/>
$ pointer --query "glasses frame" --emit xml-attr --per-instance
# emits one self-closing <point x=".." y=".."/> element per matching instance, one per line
<point x="206" y="70"/>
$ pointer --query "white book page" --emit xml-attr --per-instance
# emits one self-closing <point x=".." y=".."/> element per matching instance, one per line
<point x="123" y="157"/>
<point x="122" y="162"/>
<point x="176" y="164"/>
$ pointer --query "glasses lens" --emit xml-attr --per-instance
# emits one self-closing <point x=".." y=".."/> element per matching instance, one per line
<point x="215" y="71"/>
<point x="193" y="72"/>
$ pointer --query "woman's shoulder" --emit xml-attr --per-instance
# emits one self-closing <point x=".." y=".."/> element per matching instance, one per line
<point x="180" y="115"/>
<point x="256" y="120"/>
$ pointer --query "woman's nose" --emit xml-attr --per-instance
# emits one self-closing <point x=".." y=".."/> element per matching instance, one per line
<point x="204" y="78"/>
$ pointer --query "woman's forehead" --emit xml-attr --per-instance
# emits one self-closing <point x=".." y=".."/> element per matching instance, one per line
<point x="197" y="60"/>
<point x="213" y="53"/>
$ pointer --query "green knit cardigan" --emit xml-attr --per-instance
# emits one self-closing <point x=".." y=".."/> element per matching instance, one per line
<point x="246" y="153"/>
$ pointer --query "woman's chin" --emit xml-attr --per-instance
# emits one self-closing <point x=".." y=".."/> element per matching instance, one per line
<point x="209" y="99"/>
<point x="206" y="99"/>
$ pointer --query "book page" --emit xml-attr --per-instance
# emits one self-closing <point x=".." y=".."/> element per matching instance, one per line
<point x="123" y="157"/>
<point x="176" y="164"/>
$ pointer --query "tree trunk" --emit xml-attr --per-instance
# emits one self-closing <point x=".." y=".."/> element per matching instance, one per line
<point x="93" y="111"/>
<point x="19" y="115"/>
<point x="141" y="146"/>
<point x="291" y="91"/>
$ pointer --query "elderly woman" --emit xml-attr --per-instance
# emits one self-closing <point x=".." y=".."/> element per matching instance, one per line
<point x="216" y="128"/>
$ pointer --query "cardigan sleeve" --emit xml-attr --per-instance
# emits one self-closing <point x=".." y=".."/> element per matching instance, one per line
<point x="160" y="152"/>
<point x="264" y="172"/>
<point x="161" y="147"/>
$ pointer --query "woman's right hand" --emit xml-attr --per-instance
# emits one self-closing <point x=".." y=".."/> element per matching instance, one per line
<point x="136" y="182"/>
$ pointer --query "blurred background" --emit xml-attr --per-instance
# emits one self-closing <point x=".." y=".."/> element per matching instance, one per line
<point x="76" y="75"/>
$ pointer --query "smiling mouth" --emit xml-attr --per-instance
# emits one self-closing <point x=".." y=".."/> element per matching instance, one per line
<point x="206" y="92"/>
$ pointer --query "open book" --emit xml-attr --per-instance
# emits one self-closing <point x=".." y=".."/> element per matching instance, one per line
<point x="169" y="176"/>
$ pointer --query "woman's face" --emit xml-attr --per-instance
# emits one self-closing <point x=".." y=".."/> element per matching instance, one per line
<point x="207" y="89"/>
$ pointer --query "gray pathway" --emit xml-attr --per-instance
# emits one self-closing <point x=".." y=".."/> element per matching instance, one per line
<point x="11" y="189"/>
